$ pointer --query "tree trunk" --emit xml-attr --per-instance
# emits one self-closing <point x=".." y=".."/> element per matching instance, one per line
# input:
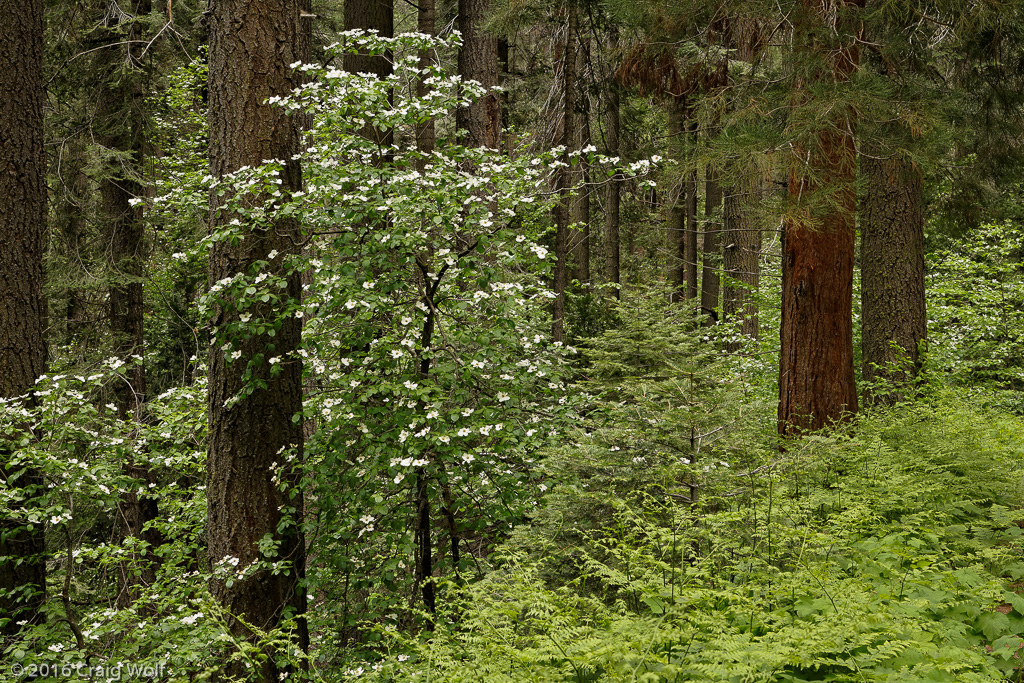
<point x="712" y="257"/>
<point x="893" y="318"/>
<point x="741" y="255"/>
<point x="505" y="73"/>
<point x="23" y="352"/>
<point x="581" y="208"/>
<point x="614" y="184"/>
<point x="478" y="61"/>
<point x="252" y="44"/>
<point x="70" y="219"/>
<point x="380" y="16"/>
<point x="120" y="127"/>
<point x="816" y="379"/>
<point x="424" y="541"/>
<point x="675" y="237"/>
<point x="741" y="219"/>
<point x="690" y="240"/>
<point x="426" y="133"/>
<point x="564" y="179"/>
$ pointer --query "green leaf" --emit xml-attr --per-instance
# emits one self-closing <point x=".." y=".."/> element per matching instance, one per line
<point x="991" y="624"/>
<point x="1006" y="646"/>
<point x="1015" y="600"/>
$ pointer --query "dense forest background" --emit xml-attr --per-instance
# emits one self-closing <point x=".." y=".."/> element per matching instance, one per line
<point x="502" y="340"/>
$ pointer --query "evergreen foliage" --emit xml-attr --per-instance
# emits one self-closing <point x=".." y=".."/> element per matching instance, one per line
<point x="480" y="502"/>
<point x="974" y="298"/>
<point x="883" y="555"/>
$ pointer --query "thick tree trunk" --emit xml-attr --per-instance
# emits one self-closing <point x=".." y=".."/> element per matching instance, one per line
<point x="741" y="218"/>
<point x="380" y="16"/>
<point x="711" y="257"/>
<point x="478" y="61"/>
<point x="564" y="179"/>
<point x="741" y="255"/>
<point x="816" y="379"/>
<point x="893" y="318"/>
<point x="252" y="45"/>
<point x="23" y="352"/>
<point x="614" y="184"/>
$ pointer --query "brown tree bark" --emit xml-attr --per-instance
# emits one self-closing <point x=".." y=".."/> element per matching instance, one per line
<point x="711" y="256"/>
<point x="70" y="222"/>
<point x="252" y="44"/>
<point x="741" y="221"/>
<point x="378" y="15"/>
<point x="563" y="181"/>
<point x="676" y="223"/>
<point x="504" y="73"/>
<point x="120" y="127"/>
<point x="614" y="184"/>
<point x="581" y="207"/>
<point x="741" y="255"/>
<point x="893" y="318"/>
<point x="426" y="132"/>
<point x="690" y="239"/>
<point x="23" y="352"/>
<point x="478" y="61"/>
<point x="816" y="379"/>
<point x="122" y="73"/>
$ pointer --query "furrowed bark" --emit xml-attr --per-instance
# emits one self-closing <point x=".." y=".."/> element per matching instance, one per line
<point x="23" y="351"/>
<point x="816" y="379"/>
<point x="893" y="318"/>
<point x="252" y="45"/>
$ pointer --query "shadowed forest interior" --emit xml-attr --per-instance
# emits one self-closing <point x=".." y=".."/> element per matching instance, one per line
<point x="510" y="340"/>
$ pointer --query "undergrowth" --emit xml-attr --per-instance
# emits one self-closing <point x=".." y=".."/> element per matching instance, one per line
<point x="888" y="553"/>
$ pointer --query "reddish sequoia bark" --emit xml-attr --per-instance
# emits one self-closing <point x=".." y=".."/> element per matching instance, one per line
<point x="816" y="379"/>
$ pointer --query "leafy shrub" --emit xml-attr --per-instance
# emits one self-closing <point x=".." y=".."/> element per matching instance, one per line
<point x="975" y="294"/>
<point x="881" y="556"/>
